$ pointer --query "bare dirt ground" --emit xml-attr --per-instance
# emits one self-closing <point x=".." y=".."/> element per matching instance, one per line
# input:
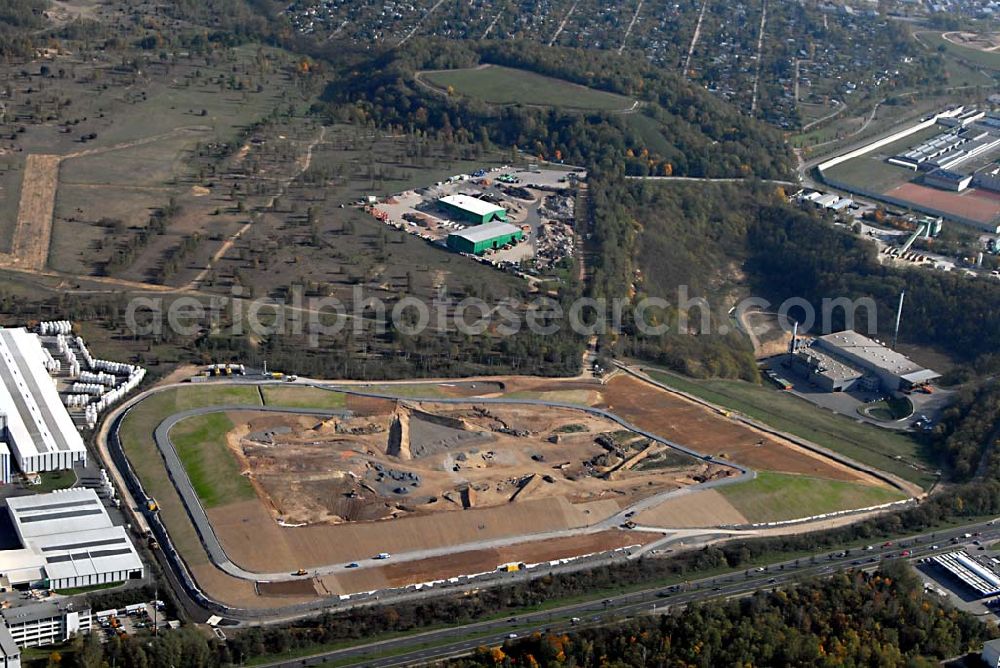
<point x="970" y="40"/>
<point x="767" y="336"/>
<point x="481" y="561"/>
<point x="30" y="245"/>
<point x="700" y="508"/>
<point x="244" y="527"/>
<point x="701" y="429"/>
<point x="407" y="459"/>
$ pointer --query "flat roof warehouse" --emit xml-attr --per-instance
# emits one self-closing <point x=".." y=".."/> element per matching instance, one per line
<point x="473" y="205"/>
<point x="486" y="232"/>
<point x="68" y="539"/>
<point x="38" y="428"/>
<point x="874" y="355"/>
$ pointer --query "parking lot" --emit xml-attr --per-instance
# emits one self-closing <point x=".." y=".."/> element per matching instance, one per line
<point x="138" y="618"/>
<point x="926" y="407"/>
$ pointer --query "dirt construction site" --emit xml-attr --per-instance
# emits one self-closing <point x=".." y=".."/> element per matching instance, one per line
<point x="451" y="487"/>
<point x="417" y="459"/>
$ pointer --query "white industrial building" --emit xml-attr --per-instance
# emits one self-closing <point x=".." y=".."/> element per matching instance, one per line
<point x="36" y="427"/>
<point x="67" y="540"/>
<point x="974" y="573"/>
<point x="45" y="623"/>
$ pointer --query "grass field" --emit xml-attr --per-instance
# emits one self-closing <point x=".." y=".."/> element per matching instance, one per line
<point x="889" y="410"/>
<point x="873" y="173"/>
<point x="302" y="397"/>
<point x="201" y="446"/>
<point x="976" y="57"/>
<point x="53" y="480"/>
<point x="504" y="85"/>
<point x="862" y="442"/>
<point x="773" y="497"/>
<point x="649" y="130"/>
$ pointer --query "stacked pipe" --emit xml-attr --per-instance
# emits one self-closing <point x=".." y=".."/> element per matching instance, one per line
<point x="106" y="484"/>
<point x="51" y="364"/>
<point x="55" y="327"/>
<point x="95" y="389"/>
<point x="87" y="357"/>
<point x="103" y="378"/>
<point x="76" y="400"/>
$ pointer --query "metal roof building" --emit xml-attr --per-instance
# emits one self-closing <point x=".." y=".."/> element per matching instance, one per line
<point x="69" y="540"/>
<point x="484" y="237"/>
<point x="36" y="425"/>
<point x="473" y="209"/>
<point x="895" y="371"/>
<point x="978" y="576"/>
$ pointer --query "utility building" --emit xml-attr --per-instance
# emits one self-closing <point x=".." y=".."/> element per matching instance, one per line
<point x="895" y="371"/>
<point x="477" y="240"/>
<point x="67" y="540"/>
<point x="35" y="424"/>
<point x="472" y="209"/>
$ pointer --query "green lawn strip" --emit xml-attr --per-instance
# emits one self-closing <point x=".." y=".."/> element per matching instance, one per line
<point x="201" y="445"/>
<point x="430" y="390"/>
<point x="53" y="480"/>
<point x="38" y="654"/>
<point x="785" y="412"/>
<point x="773" y="497"/>
<point x="505" y="85"/>
<point x="302" y="397"/>
<point x="76" y="591"/>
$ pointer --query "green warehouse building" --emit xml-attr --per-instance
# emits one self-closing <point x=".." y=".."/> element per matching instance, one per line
<point x="481" y="238"/>
<point x="472" y="209"/>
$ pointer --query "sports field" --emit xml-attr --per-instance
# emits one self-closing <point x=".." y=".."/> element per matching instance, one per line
<point x="773" y="497"/>
<point x="975" y="204"/>
<point x="504" y="85"/>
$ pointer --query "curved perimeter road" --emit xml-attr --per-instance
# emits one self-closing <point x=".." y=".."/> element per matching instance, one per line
<point x="217" y="553"/>
<point x="197" y="601"/>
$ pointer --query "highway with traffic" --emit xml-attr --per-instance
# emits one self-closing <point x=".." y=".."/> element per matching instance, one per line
<point x="421" y="648"/>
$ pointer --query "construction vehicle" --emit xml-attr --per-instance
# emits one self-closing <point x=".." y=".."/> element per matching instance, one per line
<point x="301" y="571"/>
<point x="151" y="505"/>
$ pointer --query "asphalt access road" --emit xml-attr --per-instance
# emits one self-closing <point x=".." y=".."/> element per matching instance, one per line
<point x="459" y="640"/>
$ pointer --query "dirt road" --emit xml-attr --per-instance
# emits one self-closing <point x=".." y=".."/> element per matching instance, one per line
<point x="30" y="245"/>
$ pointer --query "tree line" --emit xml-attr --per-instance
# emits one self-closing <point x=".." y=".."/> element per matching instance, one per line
<point x="852" y="619"/>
